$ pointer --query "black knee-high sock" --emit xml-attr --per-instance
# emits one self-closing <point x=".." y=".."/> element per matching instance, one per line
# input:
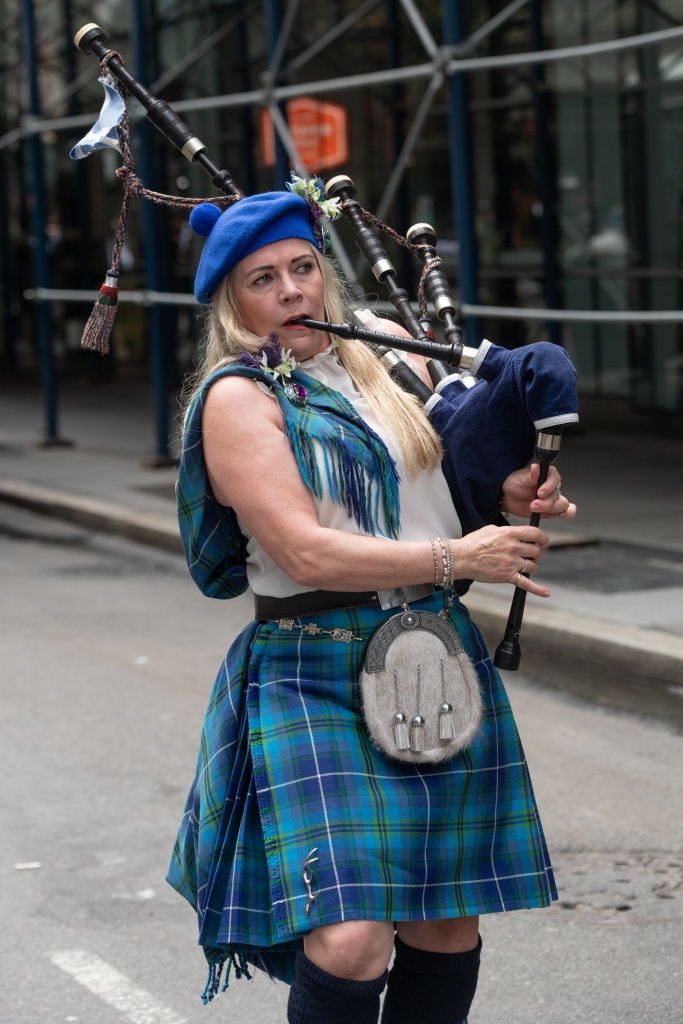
<point x="317" y="997"/>
<point x="430" y="988"/>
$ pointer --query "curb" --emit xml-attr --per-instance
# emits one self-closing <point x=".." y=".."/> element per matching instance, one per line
<point x="155" y="529"/>
<point x="608" y="663"/>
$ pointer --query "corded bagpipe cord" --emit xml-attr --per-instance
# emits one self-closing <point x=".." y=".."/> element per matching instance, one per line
<point x="99" y="326"/>
<point x="98" y="329"/>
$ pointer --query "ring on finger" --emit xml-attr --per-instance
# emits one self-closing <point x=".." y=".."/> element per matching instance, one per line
<point x="526" y="562"/>
<point x="559" y="492"/>
<point x="517" y="579"/>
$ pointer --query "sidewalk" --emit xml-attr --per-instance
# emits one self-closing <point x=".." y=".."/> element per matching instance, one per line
<point x="627" y="589"/>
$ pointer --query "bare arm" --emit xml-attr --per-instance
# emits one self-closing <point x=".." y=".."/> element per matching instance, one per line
<point x="252" y="469"/>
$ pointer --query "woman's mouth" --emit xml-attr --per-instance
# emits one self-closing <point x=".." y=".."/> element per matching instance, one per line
<point x="292" y="325"/>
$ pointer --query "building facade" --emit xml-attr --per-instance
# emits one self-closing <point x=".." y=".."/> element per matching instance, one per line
<point x="575" y="168"/>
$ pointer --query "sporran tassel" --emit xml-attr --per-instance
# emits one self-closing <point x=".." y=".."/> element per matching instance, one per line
<point x="417" y="734"/>
<point x="401" y="731"/>
<point x="100" y="322"/>
<point x="446" y="724"/>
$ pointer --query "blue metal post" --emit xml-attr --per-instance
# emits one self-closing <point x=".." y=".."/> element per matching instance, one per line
<point x="401" y="201"/>
<point x="40" y="262"/>
<point x="155" y="319"/>
<point x="545" y="175"/>
<point x="6" y="276"/>
<point x="244" y="77"/>
<point x="461" y="173"/>
<point x="272" y="14"/>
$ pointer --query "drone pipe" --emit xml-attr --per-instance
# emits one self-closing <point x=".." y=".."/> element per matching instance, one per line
<point x="404" y="375"/>
<point x="342" y="187"/>
<point x="438" y="290"/>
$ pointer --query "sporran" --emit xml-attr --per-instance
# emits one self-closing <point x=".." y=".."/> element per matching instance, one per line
<point x="419" y="689"/>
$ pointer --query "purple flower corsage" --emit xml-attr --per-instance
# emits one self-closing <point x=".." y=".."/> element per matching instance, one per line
<point x="278" y="363"/>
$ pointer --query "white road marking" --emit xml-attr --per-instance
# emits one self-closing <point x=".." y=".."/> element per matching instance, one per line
<point x="114" y="988"/>
<point x="29" y="865"/>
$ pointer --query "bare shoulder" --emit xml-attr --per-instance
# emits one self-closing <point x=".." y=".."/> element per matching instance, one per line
<point x="419" y="364"/>
<point x="238" y="401"/>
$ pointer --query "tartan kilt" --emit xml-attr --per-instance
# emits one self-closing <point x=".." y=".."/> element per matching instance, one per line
<point x="286" y="766"/>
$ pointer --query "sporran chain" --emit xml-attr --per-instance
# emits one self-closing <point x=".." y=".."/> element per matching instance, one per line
<point x="343" y="636"/>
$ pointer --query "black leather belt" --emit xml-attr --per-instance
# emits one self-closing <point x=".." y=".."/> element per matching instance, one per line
<point x="271" y="608"/>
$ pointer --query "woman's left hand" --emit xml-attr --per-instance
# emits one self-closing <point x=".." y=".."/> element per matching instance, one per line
<point x="520" y="498"/>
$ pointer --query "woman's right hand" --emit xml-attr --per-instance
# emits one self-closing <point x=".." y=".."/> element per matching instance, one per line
<point x="496" y="554"/>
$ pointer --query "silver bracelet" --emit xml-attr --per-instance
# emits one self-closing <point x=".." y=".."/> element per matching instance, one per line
<point x="442" y="542"/>
<point x="436" y="562"/>
<point x="447" y="558"/>
<point x="451" y="563"/>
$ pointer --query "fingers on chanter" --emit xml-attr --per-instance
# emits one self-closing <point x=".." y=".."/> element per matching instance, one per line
<point x="549" y="491"/>
<point x="533" y="588"/>
<point x="532" y="535"/>
<point x="552" y="483"/>
<point x="553" y="506"/>
<point x="531" y="551"/>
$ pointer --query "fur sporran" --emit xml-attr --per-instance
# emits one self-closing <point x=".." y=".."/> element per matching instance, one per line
<point x="419" y="688"/>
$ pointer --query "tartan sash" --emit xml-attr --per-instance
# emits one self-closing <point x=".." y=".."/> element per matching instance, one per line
<point x="358" y="471"/>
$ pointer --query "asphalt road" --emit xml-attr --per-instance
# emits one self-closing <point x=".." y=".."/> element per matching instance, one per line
<point x="107" y="656"/>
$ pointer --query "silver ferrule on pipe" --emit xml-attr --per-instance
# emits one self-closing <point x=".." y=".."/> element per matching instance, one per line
<point x="468" y="356"/>
<point x="443" y="304"/>
<point x="390" y="358"/>
<point x="192" y="148"/>
<point x="549" y="442"/>
<point x="382" y="266"/>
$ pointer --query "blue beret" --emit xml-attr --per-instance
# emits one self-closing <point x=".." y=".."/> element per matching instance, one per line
<point x="243" y="228"/>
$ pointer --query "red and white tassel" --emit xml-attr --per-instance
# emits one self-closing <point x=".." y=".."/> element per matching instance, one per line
<point x="99" y="326"/>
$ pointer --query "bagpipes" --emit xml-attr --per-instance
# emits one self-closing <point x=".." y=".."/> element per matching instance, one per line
<point x="493" y="408"/>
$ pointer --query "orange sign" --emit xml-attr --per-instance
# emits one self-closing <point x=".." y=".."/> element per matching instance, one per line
<point x="320" y="132"/>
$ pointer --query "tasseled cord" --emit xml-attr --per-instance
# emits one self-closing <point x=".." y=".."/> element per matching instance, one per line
<point x="99" y="326"/>
<point x="213" y="981"/>
<point x="100" y="322"/>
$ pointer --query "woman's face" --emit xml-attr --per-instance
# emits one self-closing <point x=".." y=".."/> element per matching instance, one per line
<point x="275" y="285"/>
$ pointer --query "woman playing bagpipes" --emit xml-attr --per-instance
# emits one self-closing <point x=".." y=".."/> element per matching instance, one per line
<point x="361" y="788"/>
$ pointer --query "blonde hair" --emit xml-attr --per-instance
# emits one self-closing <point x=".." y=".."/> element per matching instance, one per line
<point x="401" y="413"/>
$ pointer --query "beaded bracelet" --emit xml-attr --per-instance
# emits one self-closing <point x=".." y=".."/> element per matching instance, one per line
<point x="451" y="563"/>
<point x="436" y="562"/>
<point x="447" y="557"/>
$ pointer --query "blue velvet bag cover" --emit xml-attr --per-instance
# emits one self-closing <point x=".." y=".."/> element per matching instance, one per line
<point x="489" y="430"/>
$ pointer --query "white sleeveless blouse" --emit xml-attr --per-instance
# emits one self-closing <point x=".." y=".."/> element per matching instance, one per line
<point x="426" y="505"/>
